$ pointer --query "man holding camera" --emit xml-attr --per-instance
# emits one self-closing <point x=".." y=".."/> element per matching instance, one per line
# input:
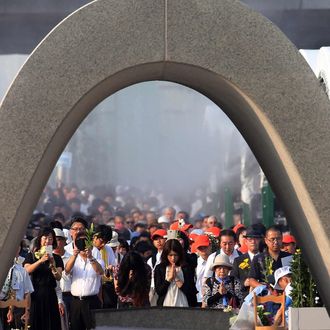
<point x="86" y="272"/>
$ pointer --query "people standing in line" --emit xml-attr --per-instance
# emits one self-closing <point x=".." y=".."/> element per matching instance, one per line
<point x="174" y="281"/>
<point x="242" y="264"/>
<point x="227" y="246"/>
<point x="158" y="240"/>
<point x="18" y="286"/>
<point x="266" y="263"/>
<point x="132" y="281"/>
<point x="203" y="248"/>
<point x="86" y="272"/>
<point x="45" y="269"/>
<point x="222" y="290"/>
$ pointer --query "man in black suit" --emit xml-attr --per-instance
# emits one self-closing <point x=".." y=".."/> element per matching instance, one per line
<point x="242" y="264"/>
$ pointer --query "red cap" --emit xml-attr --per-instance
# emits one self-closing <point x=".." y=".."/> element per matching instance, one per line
<point x="215" y="231"/>
<point x="202" y="240"/>
<point x="159" y="232"/>
<point x="287" y="239"/>
<point x="193" y="237"/>
<point x="185" y="227"/>
<point x="238" y="226"/>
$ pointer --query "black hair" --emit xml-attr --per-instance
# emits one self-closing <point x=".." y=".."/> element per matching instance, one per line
<point x="239" y="231"/>
<point x="273" y="228"/>
<point x="139" y="224"/>
<point x="59" y="216"/>
<point x="123" y="243"/>
<point x="136" y="287"/>
<point x="45" y="232"/>
<point x="172" y="245"/>
<point x="142" y="247"/>
<point x="186" y="243"/>
<point x="227" y="232"/>
<point x="56" y="224"/>
<point x="78" y="217"/>
<point x="104" y="232"/>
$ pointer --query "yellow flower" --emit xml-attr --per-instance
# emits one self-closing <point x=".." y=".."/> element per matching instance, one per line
<point x="38" y="254"/>
<point x="244" y="264"/>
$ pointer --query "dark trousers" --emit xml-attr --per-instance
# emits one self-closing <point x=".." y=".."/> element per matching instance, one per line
<point x="109" y="295"/>
<point x="81" y="316"/>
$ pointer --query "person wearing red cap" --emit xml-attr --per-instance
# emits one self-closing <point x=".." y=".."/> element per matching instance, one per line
<point x="289" y="244"/>
<point x="203" y="249"/>
<point x="178" y="225"/>
<point x="158" y="240"/>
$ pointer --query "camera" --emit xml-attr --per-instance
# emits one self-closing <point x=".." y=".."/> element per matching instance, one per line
<point x="80" y="244"/>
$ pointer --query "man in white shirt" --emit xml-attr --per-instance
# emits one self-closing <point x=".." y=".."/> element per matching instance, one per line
<point x="86" y="272"/>
<point x="203" y="248"/>
<point x="79" y="225"/>
<point x="227" y="244"/>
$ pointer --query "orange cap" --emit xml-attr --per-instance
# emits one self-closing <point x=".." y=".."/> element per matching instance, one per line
<point x="185" y="227"/>
<point x="215" y="231"/>
<point x="238" y="226"/>
<point x="159" y="232"/>
<point x="287" y="239"/>
<point x="202" y="240"/>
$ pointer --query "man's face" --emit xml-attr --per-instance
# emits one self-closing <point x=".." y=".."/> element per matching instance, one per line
<point x="253" y="244"/>
<point x="169" y="214"/>
<point x="289" y="247"/>
<point x="273" y="241"/>
<point x="204" y="251"/>
<point x="227" y="244"/>
<point x="76" y="228"/>
<point x="211" y="222"/>
<point x="119" y="223"/>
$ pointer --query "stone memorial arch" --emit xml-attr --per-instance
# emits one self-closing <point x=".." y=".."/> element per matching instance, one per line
<point x="220" y="48"/>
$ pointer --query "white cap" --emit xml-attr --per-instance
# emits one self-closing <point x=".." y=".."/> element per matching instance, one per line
<point x="163" y="219"/>
<point x="280" y="273"/>
<point x="59" y="232"/>
<point x="114" y="240"/>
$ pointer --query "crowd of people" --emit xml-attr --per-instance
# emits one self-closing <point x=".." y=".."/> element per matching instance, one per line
<point x="83" y="252"/>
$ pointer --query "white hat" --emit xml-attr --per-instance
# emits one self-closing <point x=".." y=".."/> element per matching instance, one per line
<point x="114" y="240"/>
<point x="221" y="260"/>
<point x="59" y="232"/>
<point x="163" y="219"/>
<point x="280" y="273"/>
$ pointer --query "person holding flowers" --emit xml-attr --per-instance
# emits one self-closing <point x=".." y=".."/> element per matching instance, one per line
<point x="242" y="264"/>
<point x="265" y="264"/>
<point x="45" y="269"/>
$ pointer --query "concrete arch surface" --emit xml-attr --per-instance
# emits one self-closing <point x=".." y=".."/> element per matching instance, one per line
<point x="220" y="48"/>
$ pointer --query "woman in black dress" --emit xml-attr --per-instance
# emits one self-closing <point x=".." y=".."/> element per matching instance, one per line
<point x="45" y="268"/>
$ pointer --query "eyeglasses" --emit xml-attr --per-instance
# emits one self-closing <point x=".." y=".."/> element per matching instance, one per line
<point x="274" y="239"/>
<point x="129" y="222"/>
<point x="77" y="229"/>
